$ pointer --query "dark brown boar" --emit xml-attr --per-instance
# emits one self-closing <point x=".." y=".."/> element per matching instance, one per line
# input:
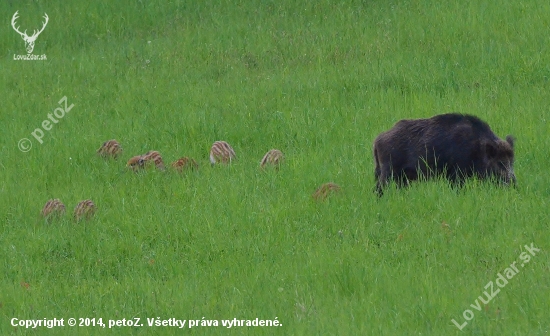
<point x="452" y="145"/>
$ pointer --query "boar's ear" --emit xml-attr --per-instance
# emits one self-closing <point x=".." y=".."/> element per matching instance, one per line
<point x="510" y="139"/>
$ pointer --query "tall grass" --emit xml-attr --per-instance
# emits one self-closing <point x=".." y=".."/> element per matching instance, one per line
<point x="318" y="81"/>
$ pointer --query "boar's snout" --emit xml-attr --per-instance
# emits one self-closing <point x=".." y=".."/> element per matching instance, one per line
<point x="512" y="178"/>
<point x="507" y="175"/>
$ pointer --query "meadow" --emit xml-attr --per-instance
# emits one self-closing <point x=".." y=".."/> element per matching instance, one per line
<point x="319" y="81"/>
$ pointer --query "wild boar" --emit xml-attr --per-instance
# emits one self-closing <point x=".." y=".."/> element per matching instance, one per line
<point x="452" y="145"/>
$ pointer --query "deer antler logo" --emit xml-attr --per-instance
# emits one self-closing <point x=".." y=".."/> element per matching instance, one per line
<point x="29" y="40"/>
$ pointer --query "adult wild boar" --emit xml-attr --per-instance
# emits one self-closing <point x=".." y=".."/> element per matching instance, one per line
<point x="452" y="145"/>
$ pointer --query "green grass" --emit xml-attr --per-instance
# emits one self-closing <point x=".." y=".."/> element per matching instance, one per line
<point x="318" y="81"/>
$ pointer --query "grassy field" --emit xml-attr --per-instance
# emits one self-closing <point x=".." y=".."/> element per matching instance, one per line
<point x="318" y="81"/>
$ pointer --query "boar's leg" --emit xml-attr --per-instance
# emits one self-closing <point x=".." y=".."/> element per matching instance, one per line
<point x="381" y="182"/>
<point x="405" y="176"/>
<point x="456" y="177"/>
<point x="383" y="175"/>
<point x="409" y="174"/>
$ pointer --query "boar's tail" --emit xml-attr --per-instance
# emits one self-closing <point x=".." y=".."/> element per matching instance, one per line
<point x="377" y="170"/>
<point x="377" y="173"/>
